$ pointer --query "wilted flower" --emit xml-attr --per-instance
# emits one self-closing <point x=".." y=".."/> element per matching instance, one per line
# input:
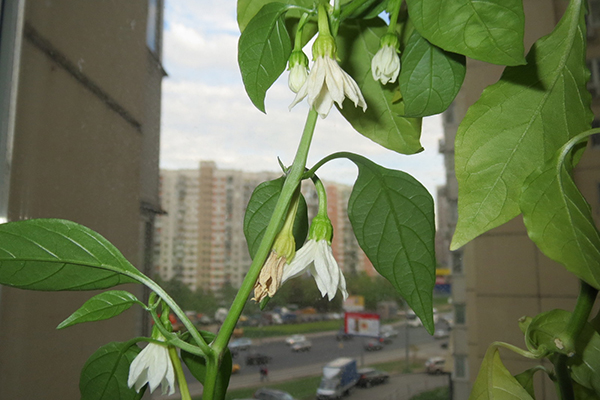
<point x="152" y="366"/>
<point x="298" y="66"/>
<point x="327" y="81"/>
<point x="385" y="65"/>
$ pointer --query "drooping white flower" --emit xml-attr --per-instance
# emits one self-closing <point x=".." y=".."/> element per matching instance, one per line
<point x="385" y="65"/>
<point x="327" y="81"/>
<point x="154" y="367"/>
<point x="316" y="258"/>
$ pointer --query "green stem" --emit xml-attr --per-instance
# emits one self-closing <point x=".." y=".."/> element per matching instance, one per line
<point x="394" y="10"/>
<point x="516" y="349"/>
<point x="292" y="181"/>
<point x="172" y="338"/>
<point x="579" y="317"/>
<point x="298" y="39"/>
<point x="183" y="387"/>
<point x="322" y="194"/>
<point x="563" y="377"/>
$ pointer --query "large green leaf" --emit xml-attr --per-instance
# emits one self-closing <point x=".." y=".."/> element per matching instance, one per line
<point x="104" y="375"/>
<point x="490" y="31"/>
<point x="382" y="122"/>
<point x="392" y="217"/>
<point x="430" y="77"/>
<point x="525" y="379"/>
<point x="494" y="382"/>
<point x="247" y="9"/>
<point x="260" y="209"/>
<point x="518" y="124"/>
<point x="100" y="307"/>
<point x="197" y="366"/>
<point x="55" y="254"/>
<point x="559" y="220"/>
<point x="263" y="51"/>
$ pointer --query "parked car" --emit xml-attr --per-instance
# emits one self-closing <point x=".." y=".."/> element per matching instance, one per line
<point x="295" y="339"/>
<point x="257" y="359"/>
<point x="240" y="344"/>
<point x="304" y="345"/>
<point x="371" y="376"/>
<point x="272" y="394"/>
<point x="235" y="368"/>
<point x="441" y="334"/>
<point x="435" y="365"/>
<point x="373" y="344"/>
<point x="388" y="331"/>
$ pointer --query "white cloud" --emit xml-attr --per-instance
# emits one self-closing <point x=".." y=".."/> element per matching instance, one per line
<point x="208" y="116"/>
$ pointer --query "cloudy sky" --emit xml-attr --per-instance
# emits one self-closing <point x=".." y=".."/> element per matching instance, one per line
<point x="208" y="116"/>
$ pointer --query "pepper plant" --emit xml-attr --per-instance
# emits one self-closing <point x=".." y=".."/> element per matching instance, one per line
<point x="515" y="151"/>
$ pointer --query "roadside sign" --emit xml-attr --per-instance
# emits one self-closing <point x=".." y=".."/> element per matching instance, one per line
<point x="361" y="324"/>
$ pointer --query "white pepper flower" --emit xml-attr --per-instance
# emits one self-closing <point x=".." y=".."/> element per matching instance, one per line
<point x="298" y="67"/>
<point x="152" y="366"/>
<point x="316" y="258"/>
<point x="327" y="81"/>
<point x="385" y="65"/>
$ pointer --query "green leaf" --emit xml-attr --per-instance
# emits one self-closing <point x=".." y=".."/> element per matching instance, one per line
<point x="247" y="9"/>
<point x="263" y="51"/>
<point x="585" y="363"/>
<point x="367" y="10"/>
<point x="55" y="254"/>
<point x="104" y="375"/>
<point x="490" y="31"/>
<point x="392" y="217"/>
<point x="197" y="366"/>
<point x="430" y="77"/>
<point x="100" y="307"/>
<point x="517" y="124"/>
<point x="260" y="209"/>
<point x="495" y="382"/>
<point x="559" y="220"/>
<point x="382" y="122"/>
<point x="525" y="379"/>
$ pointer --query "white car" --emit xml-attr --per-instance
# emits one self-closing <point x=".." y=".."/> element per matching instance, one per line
<point x="295" y="339"/>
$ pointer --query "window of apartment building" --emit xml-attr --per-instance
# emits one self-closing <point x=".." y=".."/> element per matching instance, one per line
<point x="152" y="26"/>
<point x="457" y="266"/>
<point x="593" y="18"/>
<point x="594" y="82"/>
<point x="460" y="314"/>
<point x="460" y="366"/>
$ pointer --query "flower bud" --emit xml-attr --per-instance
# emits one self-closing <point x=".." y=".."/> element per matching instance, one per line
<point x="298" y="67"/>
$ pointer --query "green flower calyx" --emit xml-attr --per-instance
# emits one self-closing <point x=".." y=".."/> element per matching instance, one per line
<point x="390" y="40"/>
<point x="321" y="229"/>
<point x="298" y="58"/>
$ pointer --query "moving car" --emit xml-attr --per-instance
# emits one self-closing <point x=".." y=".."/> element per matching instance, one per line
<point x="441" y="334"/>
<point x="272" y="394"/>
<point x="373" y="344"/>
<point x="257" y="359"/>
<point x="371" y="376"/>
<point x="295" y="339"/>
<point x="240" y="344"/>
<point x="304" y="345"/>
<point x="435" y="365"/>
<point x="342" y="335"/>
<point x="339" y="377"/>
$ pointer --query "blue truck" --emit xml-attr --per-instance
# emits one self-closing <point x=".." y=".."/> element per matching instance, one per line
<point x="339" y="377"/>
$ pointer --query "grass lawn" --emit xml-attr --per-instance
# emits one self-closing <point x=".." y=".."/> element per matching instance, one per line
<point x="291" y="329"/>
<point x="441" y="393"/>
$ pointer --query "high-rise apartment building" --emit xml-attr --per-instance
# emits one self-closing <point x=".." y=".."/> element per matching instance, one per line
<point x="80" y="87"/>
<point x="200" y="239"/>
<point x="501" y="276"/>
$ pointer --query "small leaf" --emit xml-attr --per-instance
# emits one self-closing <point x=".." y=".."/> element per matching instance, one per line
<point x="55" y="254"/>
<point x="197" y="366"/>
<point x="525" y="379"/>
<point x="367" y="10"/>
<point x="247" y="9"/>
<point x="104" y="375"/>
<point x="560" y="221"/>
<point x="100" y="307"/>
<point x="518" y="124"/>
<point x="490" y="31"/>
<point x="430" y="77"/>
<point x="495" y="382"/>
<point x="393" y="219"/>
<point x="260" y="208"/>
<point x="263" y="51"/>
<point x="382" y="122"/>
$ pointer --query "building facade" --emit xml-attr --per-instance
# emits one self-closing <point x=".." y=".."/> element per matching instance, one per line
<point x="200" y="239"/>
<point x="80" y="88"/>
<point x="501" y="276"/>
